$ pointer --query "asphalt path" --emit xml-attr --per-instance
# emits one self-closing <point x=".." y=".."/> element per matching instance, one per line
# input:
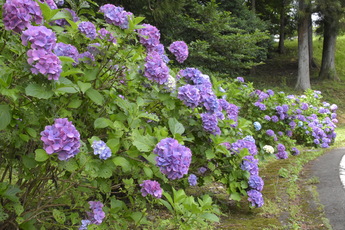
<point x="331" y="189"/>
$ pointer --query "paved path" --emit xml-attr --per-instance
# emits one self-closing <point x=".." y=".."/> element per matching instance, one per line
<point x="330" y="189"/>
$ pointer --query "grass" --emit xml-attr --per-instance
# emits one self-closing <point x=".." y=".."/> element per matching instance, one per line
<point x="291" y="198"/>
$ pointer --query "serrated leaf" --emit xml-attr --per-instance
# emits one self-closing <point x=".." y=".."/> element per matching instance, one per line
<point x="148" y="172"/>
<point x="143" y="143"/>
<point x="114" y="145"/>
<point x="71" y="165"/>
<point x="95" y="96"/>
<point x="31" y="132"/>
<point x="41" y="155"/>
<point x="235" y="196"/>
<point x="5" y="116"/>
<point x="175" y="126"/>
<point x="123" y="163"/>
<point x="29" y="162"/>
<point x="11" y="193"/>
<point x="74" y="104"/>
<point x="67" y="89"/>
<point x="39" y="91"/>
<point x="149" y="116"/>
<point x="59" y="216"/>
<point x="106" y="170"/>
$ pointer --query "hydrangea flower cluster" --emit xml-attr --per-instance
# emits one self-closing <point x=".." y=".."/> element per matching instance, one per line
<point x="44" y="62"/>
<point x="155" y="68"/>
<point x="190" y="95"/>
<point x="68" y="50"/>
<point x="97" y="214"/>
<point x="151" y="187"/>
<point x="295" y="151"/>
<point x="180" y="50"/>
<point x="106" y="35"/>
<point x="173" y="158"/>
<point x="256" y="182"/>
<point x="19" y="14"/>
<point x="257" y="125"/>
<point x="88" y="28"/>
<point x="192" y="180"/>
<point x="52" y="5"/>
<point x="202" y="170"/>
<point x="170" y="84"/>
<point x="255" y="197"/>
<point x="210" y="123"/>
<point x="282" y="154"/>
<point x="41" y="57"/>
<point x="268" y="149"/>
<point x="241" y="144"/>
<point x="101" y="149"/>
<point x="250" y="164"/>
<point x="61" y="138"/>
<point x="116" y="15"/>
<point x="149" y="36"/>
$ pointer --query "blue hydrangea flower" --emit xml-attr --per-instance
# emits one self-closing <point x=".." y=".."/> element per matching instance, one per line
<point x="149" y="36"/>
<point x="257" y="126"/>
<point x="241" y="144"/>
<point x="202" y="170"/>
<point x="101" y="149"/>
<point x="61" y="138"/>
<point x="192" y="179"/>
<point x="151" y="187"/>
<point x="295" y="151"/>
<point x="255" y="197"/>
<point x="62" y="49"/>
<point x="84" y="224"/>
<point x="249" y="138"/>
<point x="173" y="158"/>
<point x="256" y="182"/>
<point x="250" y="164"/>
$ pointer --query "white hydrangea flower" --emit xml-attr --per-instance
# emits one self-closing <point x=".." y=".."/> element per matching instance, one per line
<point x="268" y="149"/>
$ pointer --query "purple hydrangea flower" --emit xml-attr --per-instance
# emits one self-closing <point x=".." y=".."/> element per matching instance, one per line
<point x="101" y="149"/>
<point x="241" y="144"/>
<point x="202" y="170"/>
<point x="84" y="224"/>
<point x="86" y="57"/>
<point x="63" y="22"/>
<point x="62" y="49"/>
<point x="249" y="138"/>
<point x="256" y="182"/>
<point x="180" y="50"/>
<point x="44" y="62"/>
<point x="192" y="180"/>
<point x="151" y="187"/>
<point x="106" y="35"/>
<point x="240" y="79"/>
<point x="190" y="95"/>
<point x="270" y="132"/>
<point x="255" y="197"/>
<point x="155" y="68"/>
<point x="61" y="138"/>
<point x="295" y="151"/>
<point x="88" y="28"/>
<point x="260" y="105"/>
<point x="280" y="147"/>
<point x="160" y="49"/>
<point x="149" y="36"/>
<point x="211" y="104"/>
<point x="267" y="118"/>
<point x="304" y="106"/>
<point x="50" y="3"/>
<point x="40" y="37"/>
<point x="282" y="155"/>
<point x="19" y="14"/>
<point x="270" y="92"/>
<point x="59" y="3"/>
<point x="173" y="158"/>
<point x="250" y="164"/>
<point x="192" y="75"/>
<point x="210" y="123"/>
<point x="257" y="126"/>
<point x="116" y="15"/>
<point x="274" y="118"/>
<point x="97" y="214"/>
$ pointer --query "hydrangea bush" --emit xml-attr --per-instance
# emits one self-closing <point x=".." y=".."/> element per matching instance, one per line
<point x="92" y="113"/>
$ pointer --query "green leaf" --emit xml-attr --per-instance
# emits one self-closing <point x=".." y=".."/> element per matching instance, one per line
<point x="210" y="154"/>
<point x="143" y="143"/>
<point x="102" y="122"/>
<point x="123" y="162"/>
<point x="74" y="104"/>
<point x="175" y="126"/>
<point x="59" y="216"/>
<point x="28" y="161"/>
<point x="210" y="217"/>
<point x="39" y="91"/>
<point x="31" y="132"/>
<point x="235" y="196"/>
<point x="84" y="86"/>
<point x="67" y="89"/>
<point x="95" y="96"/>
<point x="11" y="193"/>
<point x="66" y="59"/>
<point x="41" y="155"/>
<point x="5" y="116"/>
<point x="91" y="74"/>
<point x="114" y="145"/>
<point x="150" y="116"/>
<point x="71" y="72"/>
<point x="148" y="172"/>
<point x="71" y="165"/>
<point x="106" y="169"/>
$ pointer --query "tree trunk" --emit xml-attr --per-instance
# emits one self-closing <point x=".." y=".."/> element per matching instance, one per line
<point x="328" y="70"/>
<point x="312" y="63"/>
<point x="303" y="78"/>
<point x="253" y="6"/>
<point x="281" y="47"/>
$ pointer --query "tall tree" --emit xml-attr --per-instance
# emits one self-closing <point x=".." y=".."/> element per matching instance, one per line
<point x="303" y="79"/>
<point x="281" y="46"/>
<point x="331" y="12"/>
